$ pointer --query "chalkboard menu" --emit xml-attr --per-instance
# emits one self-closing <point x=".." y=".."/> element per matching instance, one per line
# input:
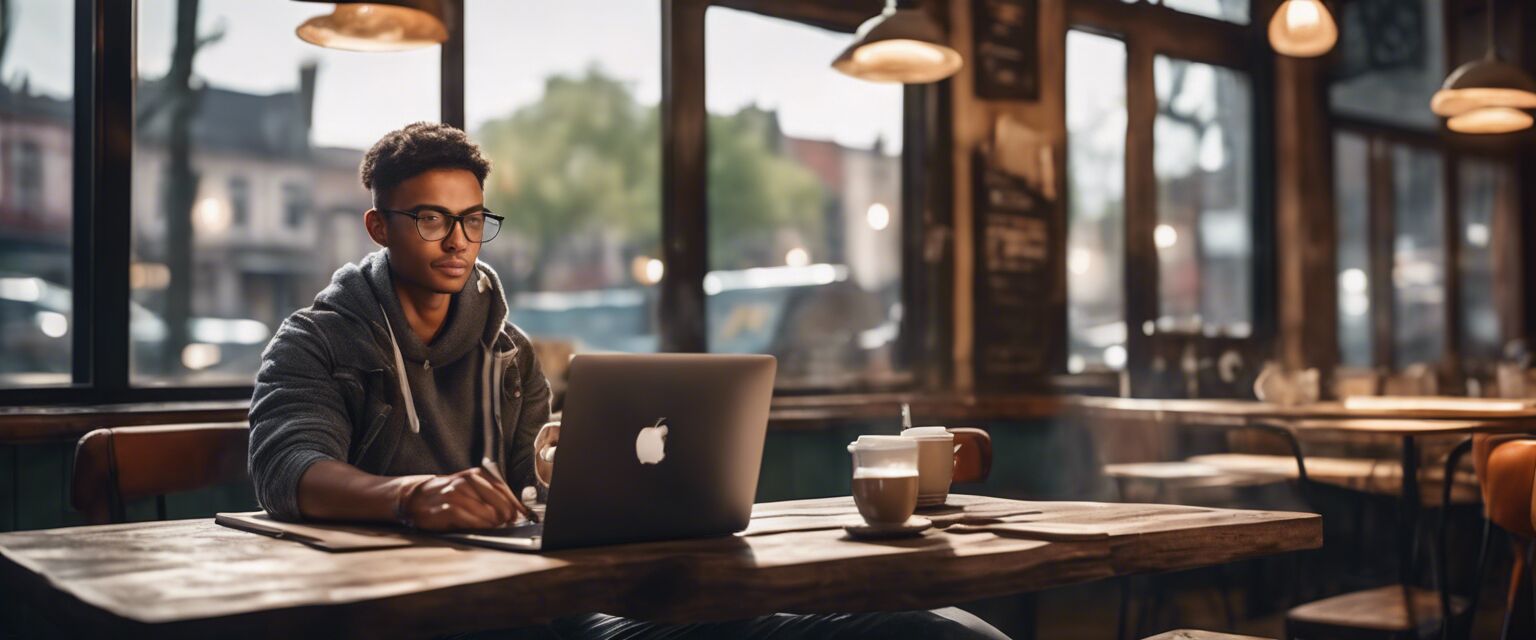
<point x="1006" y="58"/>
<point x="1016" y="316"/>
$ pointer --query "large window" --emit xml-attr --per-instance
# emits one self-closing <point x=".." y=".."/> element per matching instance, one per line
<point x="236" y="197"/>
<point x="1352" y="208"/>
<point x="1428" y="237"/>
<point x="1489" y="245"/>
<point x="564" y="98"/>
<point x="1203" y="159"/>
<point x="235" y="117"/>
<point x="36" y="199"/>
<point x="1418" y="256"/>
<point x="804" y="204"/>
<point x="1163" y="192"/>
<point x="1096" y="120"/>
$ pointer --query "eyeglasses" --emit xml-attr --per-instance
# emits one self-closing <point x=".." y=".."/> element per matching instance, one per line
<point x="480" y="226"/>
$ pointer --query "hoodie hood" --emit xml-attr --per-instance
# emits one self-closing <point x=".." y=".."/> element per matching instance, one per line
<point x="365" y="292"/>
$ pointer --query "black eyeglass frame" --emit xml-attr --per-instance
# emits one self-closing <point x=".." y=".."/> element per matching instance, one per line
<point x="452" y="220"/>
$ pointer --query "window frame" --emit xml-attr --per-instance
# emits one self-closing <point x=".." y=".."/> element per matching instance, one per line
<point x="102" y="184"/>
<point x="1148" y="31"/>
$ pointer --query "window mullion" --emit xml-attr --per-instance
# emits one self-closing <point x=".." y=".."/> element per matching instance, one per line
<point x="684" y="175"/>
<point x="451" y="61"/>
<point x="1141" y="266"/>
<point x="105" y="292"/>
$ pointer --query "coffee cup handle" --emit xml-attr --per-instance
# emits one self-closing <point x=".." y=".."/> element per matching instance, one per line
<point x="550" y="430"/>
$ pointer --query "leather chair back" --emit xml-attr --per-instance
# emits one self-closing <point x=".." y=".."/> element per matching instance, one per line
<point x="118" y="465"/>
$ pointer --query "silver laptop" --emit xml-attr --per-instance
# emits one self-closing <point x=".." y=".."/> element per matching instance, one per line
<point x="652" y="447"/>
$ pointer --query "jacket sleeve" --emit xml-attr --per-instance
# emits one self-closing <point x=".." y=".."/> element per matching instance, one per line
<point x="534" y="413"/>
<point x="298" y="416"/>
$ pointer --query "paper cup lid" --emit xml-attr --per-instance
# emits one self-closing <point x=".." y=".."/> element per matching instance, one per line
<point x="927" y="432"/>
<point x="880" y="443"/>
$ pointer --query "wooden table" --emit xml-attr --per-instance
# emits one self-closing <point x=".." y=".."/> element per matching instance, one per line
<point x="195" y="578"/>
<point x="1238" y="412"/>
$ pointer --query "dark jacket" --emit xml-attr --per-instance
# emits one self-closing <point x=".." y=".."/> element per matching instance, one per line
<point x="329" y="389"/>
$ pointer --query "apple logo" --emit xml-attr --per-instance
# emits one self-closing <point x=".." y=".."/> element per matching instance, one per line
<point x="651" y="443"/>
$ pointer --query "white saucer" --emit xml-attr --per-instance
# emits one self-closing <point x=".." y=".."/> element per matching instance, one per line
<point x="913" y="526"/>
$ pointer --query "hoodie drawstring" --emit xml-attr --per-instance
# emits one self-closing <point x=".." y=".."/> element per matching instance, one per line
<point x="405" y="385"/>
<point x="490" y="383"/>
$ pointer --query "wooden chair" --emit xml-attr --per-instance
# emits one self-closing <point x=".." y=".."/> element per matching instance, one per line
<point x="115" y="466"/>
<point x="973" y="455"/>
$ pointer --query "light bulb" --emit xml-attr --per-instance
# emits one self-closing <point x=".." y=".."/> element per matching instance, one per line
<point x="1303" y="29"/>
<point x="1490" y="120"/>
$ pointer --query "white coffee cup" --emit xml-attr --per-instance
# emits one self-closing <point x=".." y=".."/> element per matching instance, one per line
<point x="885" y="478"/>
<point x="544" y="446"/>
<point x="935" y="463"/>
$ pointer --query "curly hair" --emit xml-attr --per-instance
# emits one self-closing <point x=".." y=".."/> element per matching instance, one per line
<point x="418" y="147"/>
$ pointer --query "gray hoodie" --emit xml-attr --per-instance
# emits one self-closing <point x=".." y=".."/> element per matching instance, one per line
<point x="330" y="388"/>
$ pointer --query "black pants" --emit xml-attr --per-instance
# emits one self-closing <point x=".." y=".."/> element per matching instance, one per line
<point x="939" y="624"/>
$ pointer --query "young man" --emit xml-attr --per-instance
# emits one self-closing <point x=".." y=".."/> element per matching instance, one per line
<point x="382" y="401"/>
<point x="403" y="393"/>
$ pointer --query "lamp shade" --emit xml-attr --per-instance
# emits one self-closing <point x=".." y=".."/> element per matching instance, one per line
<point x="899" y="45"/>
<point x="380" y="25"/>
<point x="1484" y="83"/>
<point x="1303" y="29"/>
<point x="1489" y="120"/>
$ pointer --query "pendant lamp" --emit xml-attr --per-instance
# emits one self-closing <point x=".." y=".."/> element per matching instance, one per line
<point x="378" y="25"/>
<point x="1303" y="29"/>
<point x="899" y="45"/>
<point x="1484" y="96"/>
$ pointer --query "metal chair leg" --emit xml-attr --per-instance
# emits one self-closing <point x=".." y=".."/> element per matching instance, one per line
<point x="1442" y="556"/>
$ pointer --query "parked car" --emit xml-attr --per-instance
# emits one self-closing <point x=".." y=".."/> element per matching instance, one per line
<point x="36" y="322"/>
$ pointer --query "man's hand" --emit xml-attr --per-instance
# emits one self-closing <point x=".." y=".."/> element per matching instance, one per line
<point x="469" y="499"/>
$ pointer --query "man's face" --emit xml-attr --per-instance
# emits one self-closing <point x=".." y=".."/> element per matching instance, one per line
<point x="440" y="266"/>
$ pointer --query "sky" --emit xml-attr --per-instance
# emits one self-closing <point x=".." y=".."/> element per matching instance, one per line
<point x="511" y="46"/>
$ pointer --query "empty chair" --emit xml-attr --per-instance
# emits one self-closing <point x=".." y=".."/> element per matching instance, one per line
<point x="118" y="465"/>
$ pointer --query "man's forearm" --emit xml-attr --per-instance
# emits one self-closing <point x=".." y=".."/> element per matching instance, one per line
<point x="332" y="490"/>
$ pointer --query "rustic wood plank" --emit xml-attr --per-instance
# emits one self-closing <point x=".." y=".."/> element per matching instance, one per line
<point x="193" y="578"/>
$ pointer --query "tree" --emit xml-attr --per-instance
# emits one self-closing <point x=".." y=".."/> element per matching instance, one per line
<point x="755" y="191"/>
<point x="586" y="157"/>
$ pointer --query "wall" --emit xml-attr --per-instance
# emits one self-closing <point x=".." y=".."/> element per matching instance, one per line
<point x="973" y="125"/>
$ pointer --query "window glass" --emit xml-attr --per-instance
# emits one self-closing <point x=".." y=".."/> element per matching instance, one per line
<point x="1203" y="159"/>
<point x="1391" y="60"/>
<point x="1229" y="10"/>
<point x="804" y="204"/>
<point x="36" y="193"/>
<point x="563" y="97"/>
<point x="1418" y="266"/>
<point x="217" y="259"/>
<point x="1096" y="122"/>
<point x="1351" y="166"/>
<point x="1487" y="195"/>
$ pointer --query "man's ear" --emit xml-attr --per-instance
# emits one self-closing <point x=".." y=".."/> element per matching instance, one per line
<point x="378" y="227"/>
